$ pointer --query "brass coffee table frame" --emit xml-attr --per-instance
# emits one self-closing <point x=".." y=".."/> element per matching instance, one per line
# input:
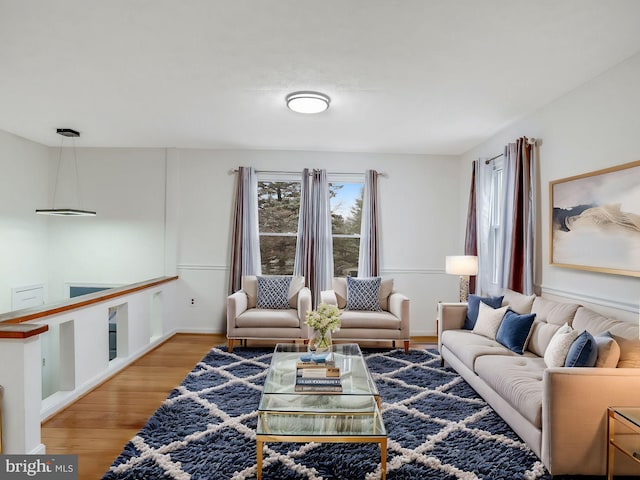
<point x="359" y="401"/>
<point x="626" y="440"/>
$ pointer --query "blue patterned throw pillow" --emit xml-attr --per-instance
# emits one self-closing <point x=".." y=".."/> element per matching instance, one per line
<point x="273" y="292"/>
<point x="363" y="294"/>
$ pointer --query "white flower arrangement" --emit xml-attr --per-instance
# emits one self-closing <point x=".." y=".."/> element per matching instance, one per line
<point x="324" y="319"/>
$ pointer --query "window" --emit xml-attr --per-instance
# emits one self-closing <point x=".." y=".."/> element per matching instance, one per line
<point x="278" y="212"/>
<point x="495" y="221"/>
<point x="346" y="216"/>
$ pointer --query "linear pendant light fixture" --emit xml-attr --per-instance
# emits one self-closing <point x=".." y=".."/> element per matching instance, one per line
<point x="308" y="102"/>
<point x="66" y="212"/>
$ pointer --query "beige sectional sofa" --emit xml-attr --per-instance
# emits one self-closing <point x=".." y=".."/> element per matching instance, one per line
<point x="559" y="412"/>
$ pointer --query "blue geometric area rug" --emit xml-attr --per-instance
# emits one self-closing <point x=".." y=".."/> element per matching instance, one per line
<point x="438" y="428"/>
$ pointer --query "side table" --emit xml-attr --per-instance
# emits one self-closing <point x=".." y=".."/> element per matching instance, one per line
<point x="623" y="434"/>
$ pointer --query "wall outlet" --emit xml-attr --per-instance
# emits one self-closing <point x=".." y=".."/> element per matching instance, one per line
<point x="192" y="302"/>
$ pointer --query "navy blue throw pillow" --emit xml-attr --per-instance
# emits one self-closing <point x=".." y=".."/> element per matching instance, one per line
<point x="514" y="330"/>
<point x="473" y="307"/>
<point x="583" y="352"/>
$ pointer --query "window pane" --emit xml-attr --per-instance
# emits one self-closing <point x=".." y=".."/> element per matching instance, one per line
<point x="278" y="207"/>
<point x="277" y="254"/>
<point x="346" y="207"/>
<point x="278" y="210"/>
<point x="345" y="256"/>
<point x="346" y="216"/>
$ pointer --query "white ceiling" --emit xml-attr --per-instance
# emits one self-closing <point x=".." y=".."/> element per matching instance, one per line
<point x="404" y="76"/>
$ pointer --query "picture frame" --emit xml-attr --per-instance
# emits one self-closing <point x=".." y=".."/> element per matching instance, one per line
<point x="595" y="221"/>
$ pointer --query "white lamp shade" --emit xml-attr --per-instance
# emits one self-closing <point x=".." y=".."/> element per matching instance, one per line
<point x="461" y="264"/>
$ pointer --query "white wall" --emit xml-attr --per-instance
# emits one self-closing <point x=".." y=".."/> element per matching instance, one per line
<point x="592" y="127"/>
<point x="419" y="203"/>
<point x="23" y="234"/>
<point x="125" y="242"/>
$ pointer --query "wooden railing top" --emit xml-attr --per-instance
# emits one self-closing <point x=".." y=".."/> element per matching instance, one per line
<point x="21" y="330"/>
<point x="33" y="313"/>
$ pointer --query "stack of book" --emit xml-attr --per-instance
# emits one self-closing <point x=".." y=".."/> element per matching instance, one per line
<point x="318" y="377"/>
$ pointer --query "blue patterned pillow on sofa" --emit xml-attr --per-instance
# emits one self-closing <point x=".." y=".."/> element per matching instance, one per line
<point x="273" y="292"/>
<point x="363" y="294"/>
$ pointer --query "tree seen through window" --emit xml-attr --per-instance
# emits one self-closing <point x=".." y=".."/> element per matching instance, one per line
<point x="278" y="212"/>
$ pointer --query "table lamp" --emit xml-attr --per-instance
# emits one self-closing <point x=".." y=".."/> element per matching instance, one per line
<point x="465" y="266"/>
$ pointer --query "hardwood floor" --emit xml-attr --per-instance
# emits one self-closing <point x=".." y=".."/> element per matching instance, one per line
<point x="97" y="426"/>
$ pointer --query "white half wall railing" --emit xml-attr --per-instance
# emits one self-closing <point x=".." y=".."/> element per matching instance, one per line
<point x="53" y="354"/>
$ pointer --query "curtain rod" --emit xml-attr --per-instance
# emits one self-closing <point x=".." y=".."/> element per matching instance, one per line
<point x="486" y="162"/>
<point x="530" y="141"/>
<point x="280" y="172"/>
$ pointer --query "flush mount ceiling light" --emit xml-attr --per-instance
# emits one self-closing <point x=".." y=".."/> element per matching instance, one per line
<point x="66" y="212"/>
<point x="308" y="102"/>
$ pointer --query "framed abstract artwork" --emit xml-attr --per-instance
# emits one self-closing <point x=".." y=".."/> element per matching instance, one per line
<point x="595" y="221"/>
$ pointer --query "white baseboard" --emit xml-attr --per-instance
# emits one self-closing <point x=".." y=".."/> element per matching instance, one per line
<point x="200" y="330"/>
<point x="39" y="450"/>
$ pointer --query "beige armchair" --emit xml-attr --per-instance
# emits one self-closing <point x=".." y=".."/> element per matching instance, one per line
<point x="391" y="323"/>
<point x="246" y="322"/>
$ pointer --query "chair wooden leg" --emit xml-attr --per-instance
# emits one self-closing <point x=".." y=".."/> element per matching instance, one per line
<point x="406" y="346"/>
<point x="230" y="345"/>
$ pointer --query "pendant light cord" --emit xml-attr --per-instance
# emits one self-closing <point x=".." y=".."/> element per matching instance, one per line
<point x="55" y="187"/>
<point x="75" y="161"/>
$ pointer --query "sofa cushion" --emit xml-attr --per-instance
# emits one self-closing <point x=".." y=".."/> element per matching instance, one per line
<point x="489" y="320"/>
<point x="250" y="287"/>
<point x="273" y="292"/>
<point x="363" y="294"/>
<point x="608" y="351"/>
<point x="592" y="322"/>
<point x="518" y="302"/>
<point x="468" y="346"/>
<point x="556" y="352"/>
<point x="514" y="330"/>
<point x="473" y="307"/>
<point x="339" y="286"/>
<point x="624" y="333"/>
<point x="629" y="351"/>
<point x="553" y="312"/>
<point x="583" y="351"/>
<point x="257" y="317"/>
<point x="518" y="380"/>
<point x="541" y="335"/>
<point x="376" y="320"/>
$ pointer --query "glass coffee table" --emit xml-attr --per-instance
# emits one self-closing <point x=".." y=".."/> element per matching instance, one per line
<point x="350" y="416"/>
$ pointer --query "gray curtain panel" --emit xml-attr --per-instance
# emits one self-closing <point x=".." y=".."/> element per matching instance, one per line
<point x="245" y="242"/>
<point x="314" y="248"/>
<point x="303" y="265"/>
<point x="369" y="255"/>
